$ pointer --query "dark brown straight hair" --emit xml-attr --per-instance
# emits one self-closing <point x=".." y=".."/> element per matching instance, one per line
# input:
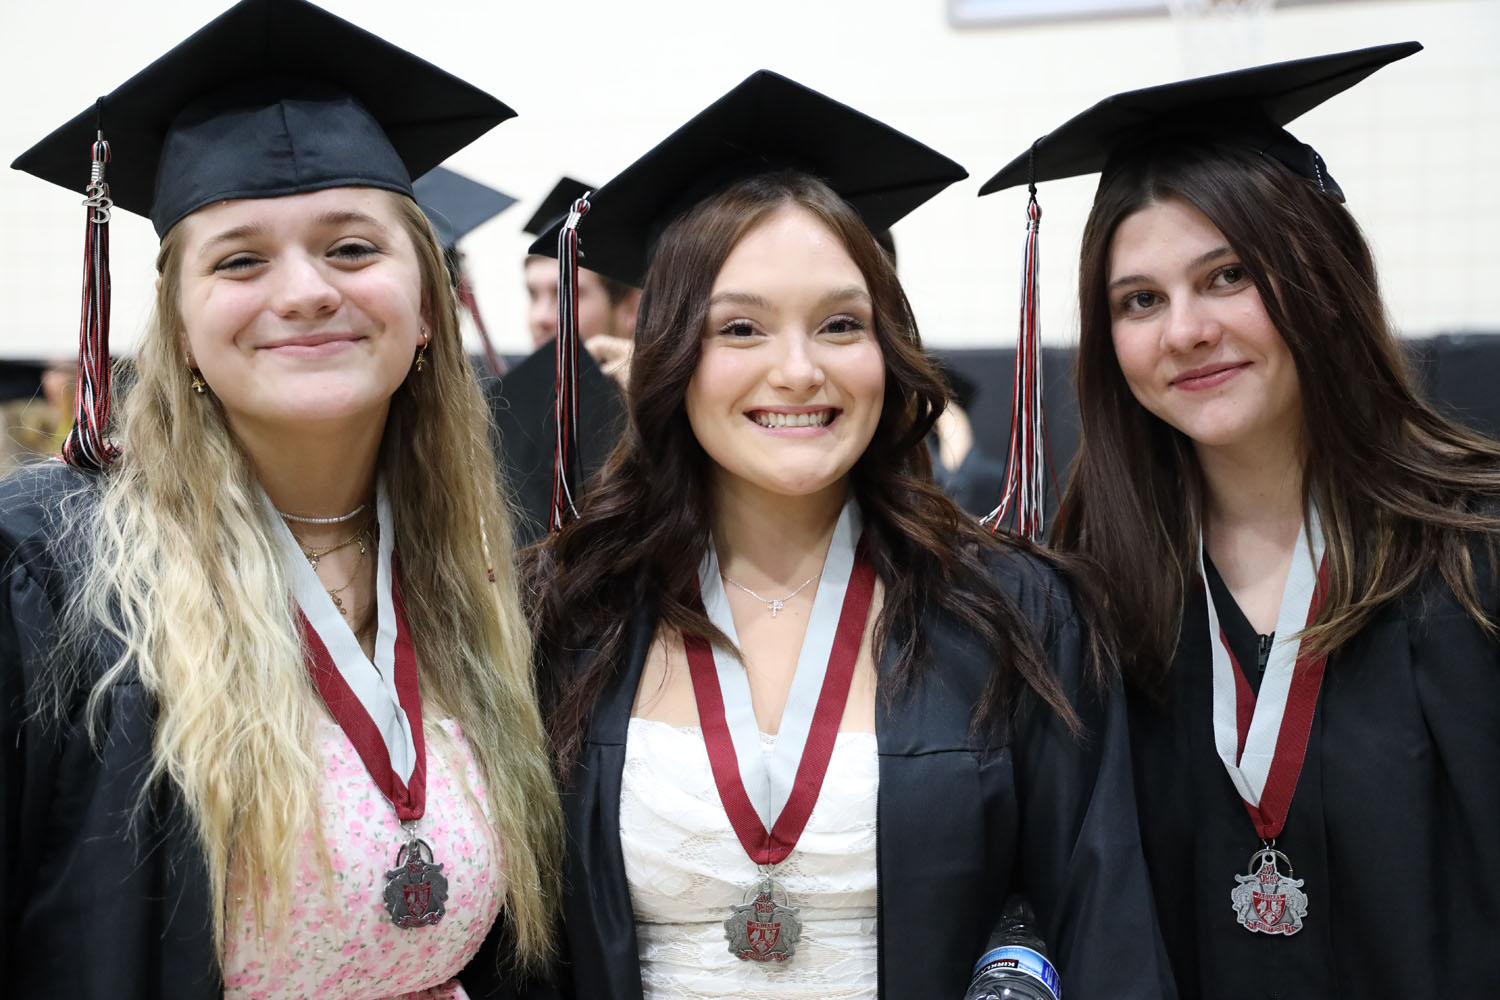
<point x="644" y="526"/>
<point x="1400" y="489"/>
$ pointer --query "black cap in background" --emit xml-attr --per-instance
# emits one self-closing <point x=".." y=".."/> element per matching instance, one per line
<point x="273" y="97"/>
<point x="766" y="123"/>
<point x="556" y="206"/>
<point x="1249" y="106"/>
<point x="457" y="205"/>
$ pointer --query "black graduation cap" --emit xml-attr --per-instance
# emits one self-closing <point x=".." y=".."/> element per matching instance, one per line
<point x="766" y="123"/>
<point x="456" y="205"/>
<point x="1248" y="105"/>
<point x="556" y="206"/>
<point x="273" y="97"/>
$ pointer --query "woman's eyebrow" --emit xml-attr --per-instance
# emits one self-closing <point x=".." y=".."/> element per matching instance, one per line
<point x="1193" y="265"/>
<point x="740" y="299"/>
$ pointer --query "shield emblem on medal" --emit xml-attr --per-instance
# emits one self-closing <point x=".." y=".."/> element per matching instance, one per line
<point x="1266" y="901"/>
<point x="417" y="897"/>
<point x="763" y="936"/>
<point x="416" y="889"/>
<point x="763" y="930"/>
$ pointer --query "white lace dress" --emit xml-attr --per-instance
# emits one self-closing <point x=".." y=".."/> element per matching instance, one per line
<point x="686" y="868"/>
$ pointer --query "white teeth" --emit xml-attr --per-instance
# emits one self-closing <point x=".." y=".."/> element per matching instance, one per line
<point x="818" y="419"/>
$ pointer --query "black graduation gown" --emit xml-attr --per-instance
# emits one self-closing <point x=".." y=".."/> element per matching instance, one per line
<point x="102" y="901"/>
<point x="1394" y="825"/>
<point x="963" y="819"/>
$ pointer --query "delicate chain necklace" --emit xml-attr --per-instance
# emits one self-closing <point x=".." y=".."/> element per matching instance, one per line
<point x="314" y="553"/>
<point x="339" y="519"/>
<point x="338" y="601"/>
<point x="773" y="604"/>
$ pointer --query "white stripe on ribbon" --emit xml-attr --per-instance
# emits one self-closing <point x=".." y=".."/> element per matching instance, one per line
<point x="373" y="683"/>
<point x="1249" y="773"/>
<point x="768" y="777"/>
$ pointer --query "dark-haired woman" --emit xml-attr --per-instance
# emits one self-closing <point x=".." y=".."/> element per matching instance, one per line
<point x="743" y="823"/>
<point x="1304" y="553"/>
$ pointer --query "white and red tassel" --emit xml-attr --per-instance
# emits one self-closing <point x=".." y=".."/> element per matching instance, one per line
<point x="567" y="469"/>
<point x="86" y="447"/>
<point x="1026" y="466"/>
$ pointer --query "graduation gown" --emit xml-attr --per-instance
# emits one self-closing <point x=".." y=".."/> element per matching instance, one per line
<point x="102" y="899"/>
<point x="964" y="818"/>
<point x="521" y="405"/>
<point x="1394" y="825"/>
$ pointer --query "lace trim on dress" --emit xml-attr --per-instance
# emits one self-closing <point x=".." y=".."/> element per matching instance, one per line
<point x="686" y="867"/>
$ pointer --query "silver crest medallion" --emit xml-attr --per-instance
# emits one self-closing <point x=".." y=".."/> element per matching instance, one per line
<point x="1266" y="901"/>
<point x="763" y="930"/>
<point x="416" y="889"/>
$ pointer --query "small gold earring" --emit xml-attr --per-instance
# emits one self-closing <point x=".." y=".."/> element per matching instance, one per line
<point x="198" y="383"/>
<point x="421" y="355"/>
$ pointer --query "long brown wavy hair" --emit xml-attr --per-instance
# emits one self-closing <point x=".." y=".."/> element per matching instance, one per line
<point x="645" y="524"/>
<point x="1401" y="490"/>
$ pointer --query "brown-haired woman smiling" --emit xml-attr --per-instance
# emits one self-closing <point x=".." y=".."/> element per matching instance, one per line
<point x="815" y="723"/>
<point x="1300" y="552"/>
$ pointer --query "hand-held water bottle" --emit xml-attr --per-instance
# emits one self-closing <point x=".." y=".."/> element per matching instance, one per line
<point x="1014" y="965"/>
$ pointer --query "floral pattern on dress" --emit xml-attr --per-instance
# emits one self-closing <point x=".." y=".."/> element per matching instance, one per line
<point x="339" y="942"/>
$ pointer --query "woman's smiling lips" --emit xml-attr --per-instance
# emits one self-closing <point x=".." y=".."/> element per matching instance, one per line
<point x="312" y="345"/>
<point x="1208" y="376"/>
<point x="794" y="421"/>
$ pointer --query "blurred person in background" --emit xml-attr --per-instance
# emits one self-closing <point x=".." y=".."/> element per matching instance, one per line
<point x="523" y="401"/>
<point x="606" y="308"/>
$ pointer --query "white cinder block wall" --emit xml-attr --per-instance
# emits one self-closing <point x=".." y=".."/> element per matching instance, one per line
<point x="1417" y="147"/>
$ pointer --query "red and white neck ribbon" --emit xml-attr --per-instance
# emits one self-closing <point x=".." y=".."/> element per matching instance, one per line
<point x="769" y="796"/>
<point x="1262" y="739"/>
<point x="377" y="701"/>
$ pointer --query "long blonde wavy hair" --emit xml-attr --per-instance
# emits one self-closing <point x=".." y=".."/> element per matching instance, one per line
<point x="187" y="576"/>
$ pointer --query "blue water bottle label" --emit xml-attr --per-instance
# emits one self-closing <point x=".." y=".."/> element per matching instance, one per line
<point x="1023" y="960"/>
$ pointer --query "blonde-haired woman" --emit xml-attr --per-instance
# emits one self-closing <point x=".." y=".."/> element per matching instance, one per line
<point x="265" y="702"/>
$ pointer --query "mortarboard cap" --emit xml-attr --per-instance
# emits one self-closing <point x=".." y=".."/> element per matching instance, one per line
<point x="555" y="207"/>
<point x="766" y="123"/>
<point x="1248" y="105"/>
<point x="456" y="205"/>
<point x="273" y="97"/>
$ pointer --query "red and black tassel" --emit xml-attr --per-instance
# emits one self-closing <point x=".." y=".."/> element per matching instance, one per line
<point x="567" y="468"/>
<point x="86" y="447"/>
<point x="1027" y="463"/>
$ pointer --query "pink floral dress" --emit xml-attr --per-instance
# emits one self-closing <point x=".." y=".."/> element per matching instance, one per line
<point x="339" y="942"/>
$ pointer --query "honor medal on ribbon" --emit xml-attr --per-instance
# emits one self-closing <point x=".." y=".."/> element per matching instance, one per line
<point x="1266" y="901"/>
<point x="763" y="930"/>
<point x="416" y="889"/>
